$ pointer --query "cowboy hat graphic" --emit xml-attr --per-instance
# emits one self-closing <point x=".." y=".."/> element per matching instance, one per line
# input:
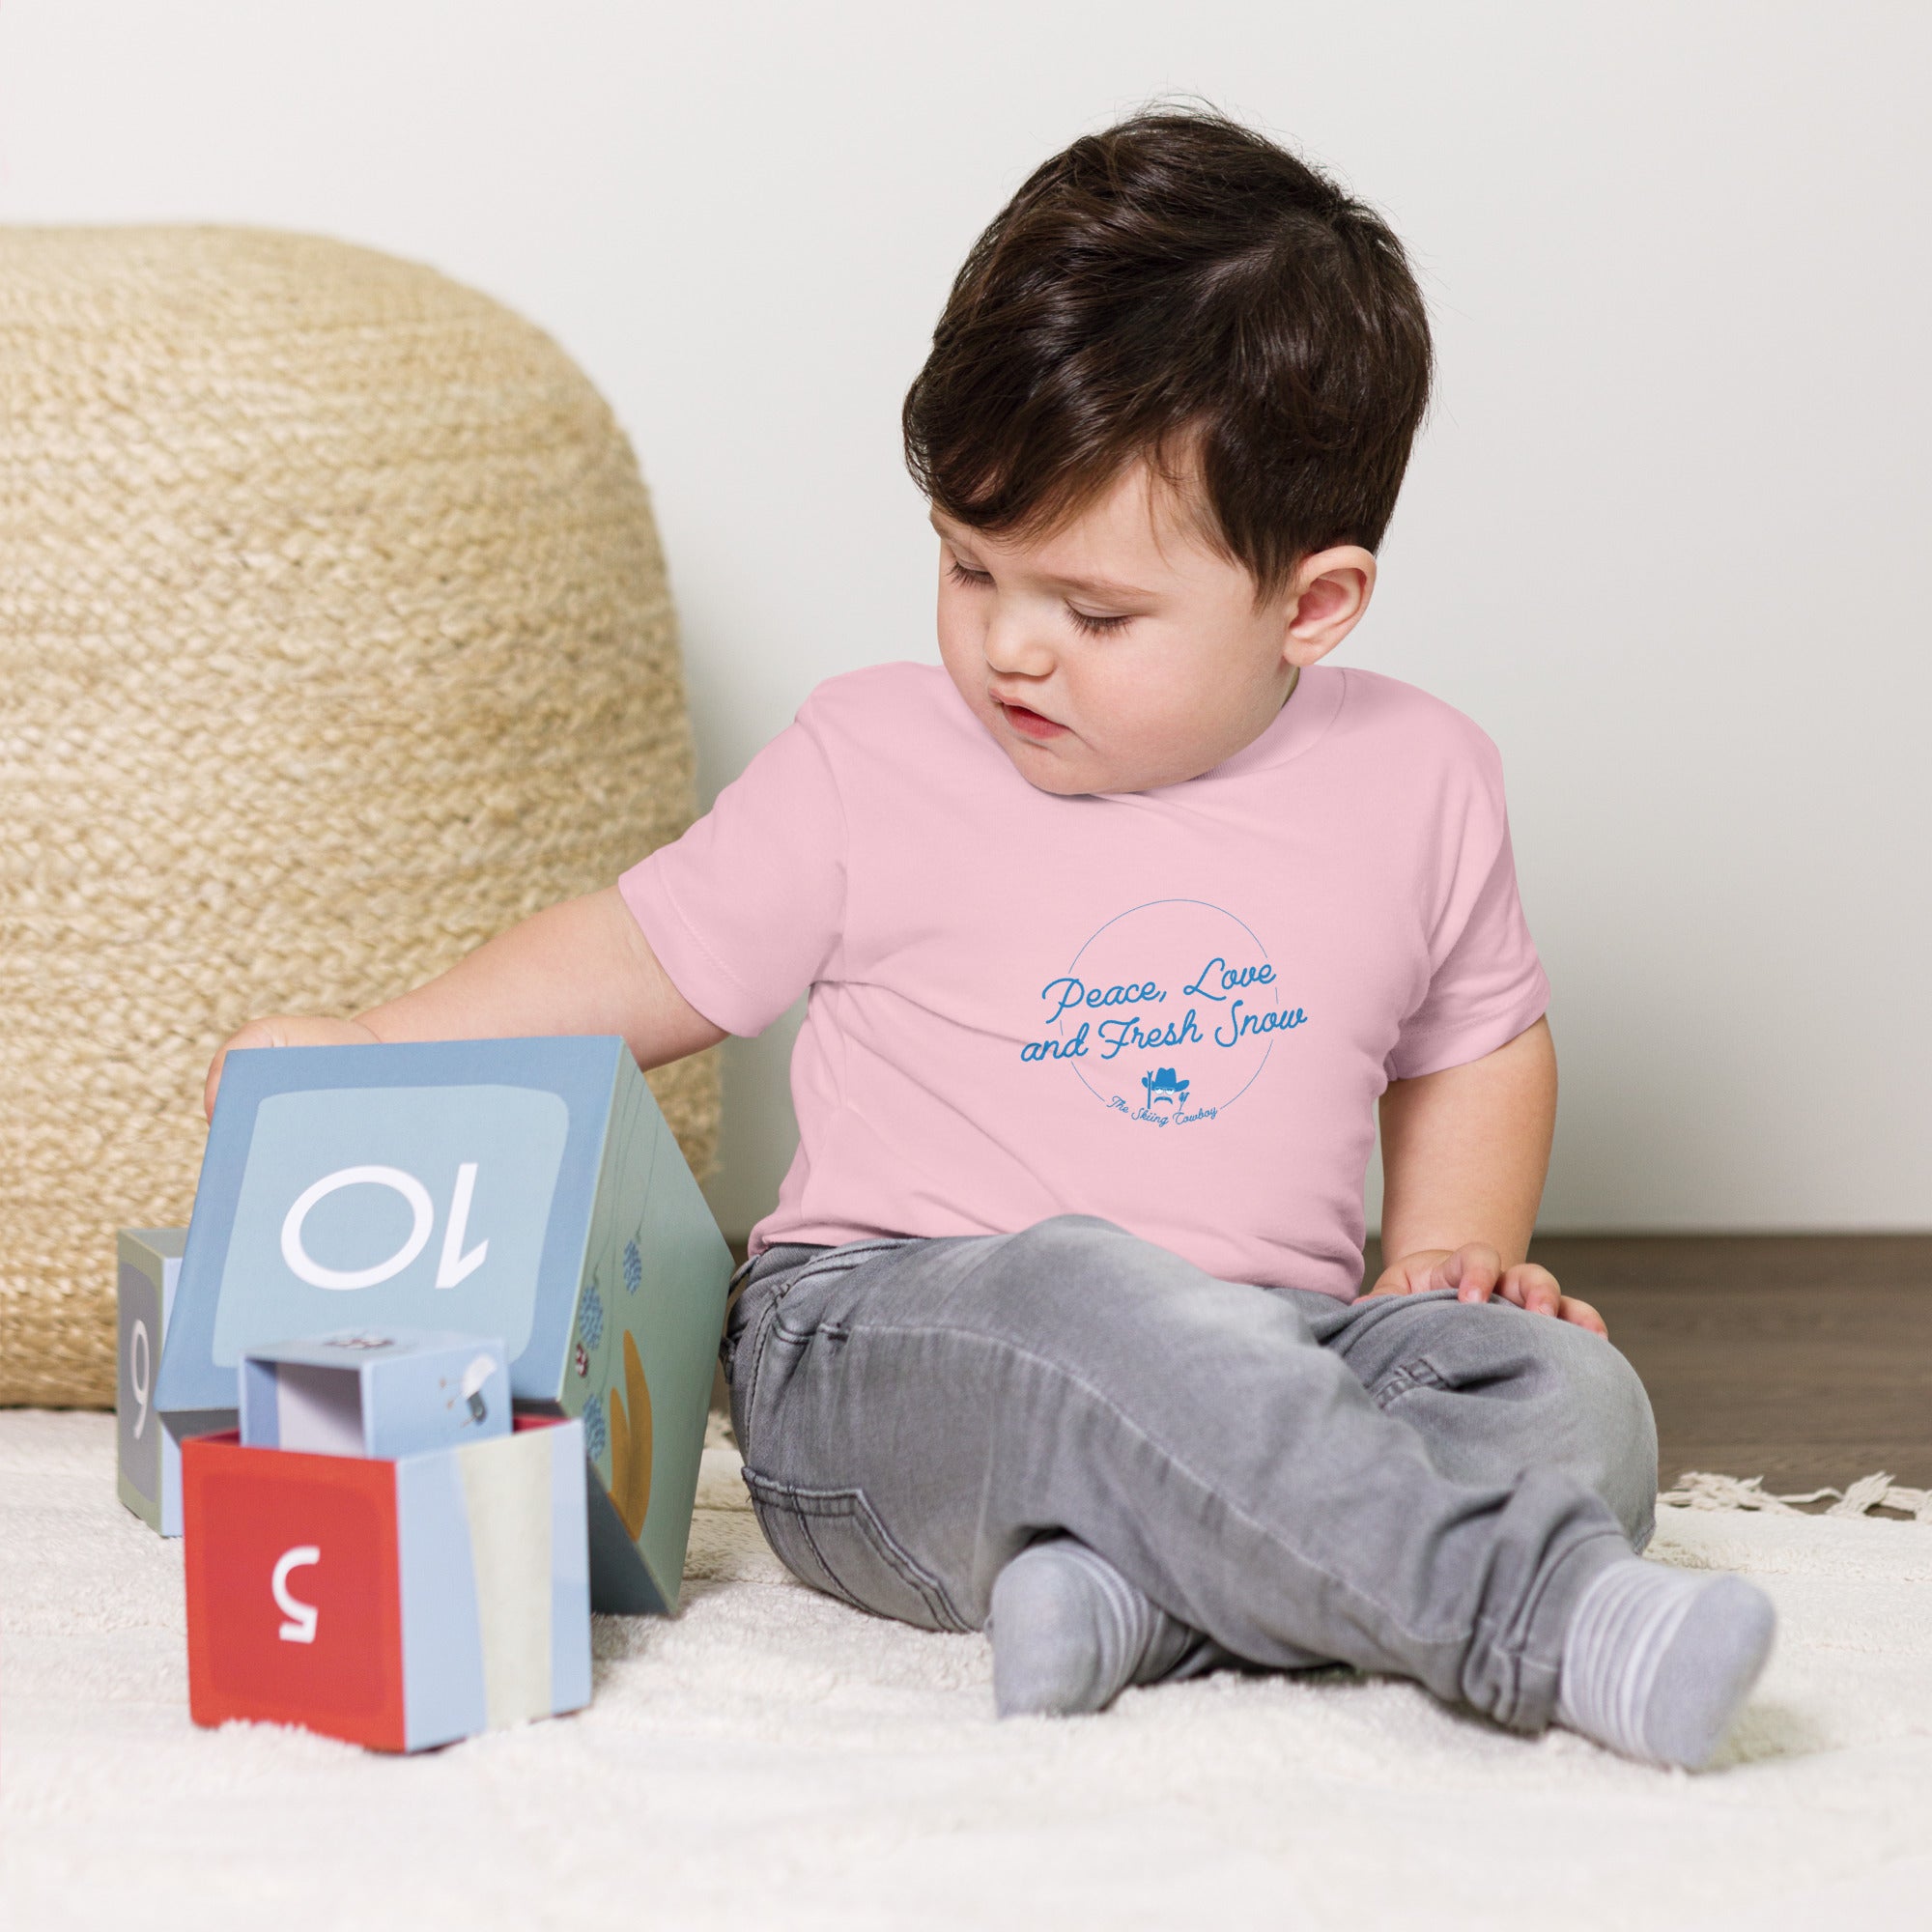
<point x="1161" y="1085"/>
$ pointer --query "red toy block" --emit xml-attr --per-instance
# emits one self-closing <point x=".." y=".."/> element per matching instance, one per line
<point x="401" y="1604"/>
<point x="294" y="1609"/>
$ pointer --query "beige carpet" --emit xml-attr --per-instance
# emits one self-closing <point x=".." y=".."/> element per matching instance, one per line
<point x="771" y="1759"/>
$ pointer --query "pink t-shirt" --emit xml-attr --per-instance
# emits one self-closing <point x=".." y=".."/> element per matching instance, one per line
<point x="1172" y="1009"/>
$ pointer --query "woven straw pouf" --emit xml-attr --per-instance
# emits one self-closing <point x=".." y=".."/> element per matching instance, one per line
<point x="334" y="637"/>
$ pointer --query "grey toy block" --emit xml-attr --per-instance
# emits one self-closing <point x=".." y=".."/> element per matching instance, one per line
<point x="148" y="1475"/>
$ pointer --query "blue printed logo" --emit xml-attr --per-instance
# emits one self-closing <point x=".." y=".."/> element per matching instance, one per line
<point x="1161" y="1085"/>
<point x="1168" y="1014"/>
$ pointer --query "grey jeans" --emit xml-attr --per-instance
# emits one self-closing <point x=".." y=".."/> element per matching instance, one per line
<point x="1409" y="1484"/>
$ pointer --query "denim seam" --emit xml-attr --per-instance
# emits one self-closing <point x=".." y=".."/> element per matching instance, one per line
<point x="768" y="1323"/>
<point x="831" y="1586"/>
<point x="1402" y="1379"/>
<point x="1513" y="1649"/>
<point x="839" y="1589"/>
<point x="772" y="1497"/>
<point x="803" y="1502"/>
<point x="841" y="1260"/>
<point x="763" y="1342"/>
<point x="873" y="1527"/>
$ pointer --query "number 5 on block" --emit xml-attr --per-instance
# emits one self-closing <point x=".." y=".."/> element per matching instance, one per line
<point x="301" y="1617"/>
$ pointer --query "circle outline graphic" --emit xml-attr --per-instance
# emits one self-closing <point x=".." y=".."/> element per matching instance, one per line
<point x="1212" y="907"/>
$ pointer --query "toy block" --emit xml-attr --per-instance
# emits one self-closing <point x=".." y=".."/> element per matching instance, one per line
<point x="399" y="1604"/>
<point x="376" y="1395"/>
<point x="149" y="1467"/>
<point x="523" y="1188"/>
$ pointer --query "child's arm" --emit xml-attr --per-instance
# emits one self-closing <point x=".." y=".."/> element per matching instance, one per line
<point x="1464" y="1156"/>
<point x="581" y="967"/>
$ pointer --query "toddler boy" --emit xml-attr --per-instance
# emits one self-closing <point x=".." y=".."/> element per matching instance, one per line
<point x="1116" y="926"/>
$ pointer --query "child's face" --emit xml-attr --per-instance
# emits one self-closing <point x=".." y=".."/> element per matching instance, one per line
<point x="1122" y="652"/>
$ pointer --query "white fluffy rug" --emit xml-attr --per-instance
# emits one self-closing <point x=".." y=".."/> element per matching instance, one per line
<point x="771" y="1759"/>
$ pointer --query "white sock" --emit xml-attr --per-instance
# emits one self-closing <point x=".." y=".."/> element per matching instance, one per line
<point x="1070" y="1632"/>
<point x="1657" y="1662"/>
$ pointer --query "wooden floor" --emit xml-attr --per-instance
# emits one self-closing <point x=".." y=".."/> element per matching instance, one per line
<point x="1804" y="1360"/>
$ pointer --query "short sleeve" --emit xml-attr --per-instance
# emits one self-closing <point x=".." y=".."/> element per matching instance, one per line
<point x="1486" y="983"/>
<point x="745" y="910"/>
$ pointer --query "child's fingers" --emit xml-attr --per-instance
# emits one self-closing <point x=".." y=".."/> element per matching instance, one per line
<point x="282" y="1030"/>
<point x="1533" y="1289"/>
<point x="1397" y="1281"/>
<point x="255" y="1034"/>
<point x="1472" y="1271"/>
<point x="1583" y="1316"/>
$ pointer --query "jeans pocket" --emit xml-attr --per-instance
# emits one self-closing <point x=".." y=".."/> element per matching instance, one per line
<point x="832" y="1539"/>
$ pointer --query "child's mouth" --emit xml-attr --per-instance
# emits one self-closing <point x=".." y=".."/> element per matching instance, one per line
<point x="1029" y="724"/>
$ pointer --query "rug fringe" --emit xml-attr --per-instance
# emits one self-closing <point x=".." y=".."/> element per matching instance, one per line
<point x="1699" y="1489"/>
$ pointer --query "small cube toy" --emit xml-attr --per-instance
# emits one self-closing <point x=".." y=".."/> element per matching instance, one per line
<point x="149" y="1479"/>
<point x="399" y="1604"/>
<point x="381" y="1395"/>
<point x="524" y="1188"/>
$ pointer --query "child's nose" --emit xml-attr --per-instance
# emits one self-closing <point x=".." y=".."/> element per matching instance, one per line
<point x="1015" y="649"/>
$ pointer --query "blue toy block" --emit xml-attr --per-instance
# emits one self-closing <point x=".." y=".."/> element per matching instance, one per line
<point x="149" y="1473"/>
<point x="402" y="1604"/>
<point x="523" y="1188"/>
<point x="378" y="1395"/>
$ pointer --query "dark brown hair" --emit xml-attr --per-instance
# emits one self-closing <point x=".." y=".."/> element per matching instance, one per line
<point x="1178" y="290"/>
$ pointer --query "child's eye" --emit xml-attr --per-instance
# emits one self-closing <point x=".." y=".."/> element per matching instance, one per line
<point x="1097" y="626"/>
<point x="974" y="579"/>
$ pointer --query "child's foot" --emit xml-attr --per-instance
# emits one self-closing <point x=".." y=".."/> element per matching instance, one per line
<point x="1070" y="1634"/>
<point x="1658" y="1663"/>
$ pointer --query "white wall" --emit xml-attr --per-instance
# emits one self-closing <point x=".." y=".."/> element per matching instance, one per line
<point x="1662" y="538"/>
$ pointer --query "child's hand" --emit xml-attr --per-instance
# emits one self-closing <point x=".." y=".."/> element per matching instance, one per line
<point x="285" y="1029"/>
<point x="1475" y="1272"/>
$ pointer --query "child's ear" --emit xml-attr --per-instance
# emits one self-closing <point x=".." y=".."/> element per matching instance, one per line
<point x="1324" y="601"/>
